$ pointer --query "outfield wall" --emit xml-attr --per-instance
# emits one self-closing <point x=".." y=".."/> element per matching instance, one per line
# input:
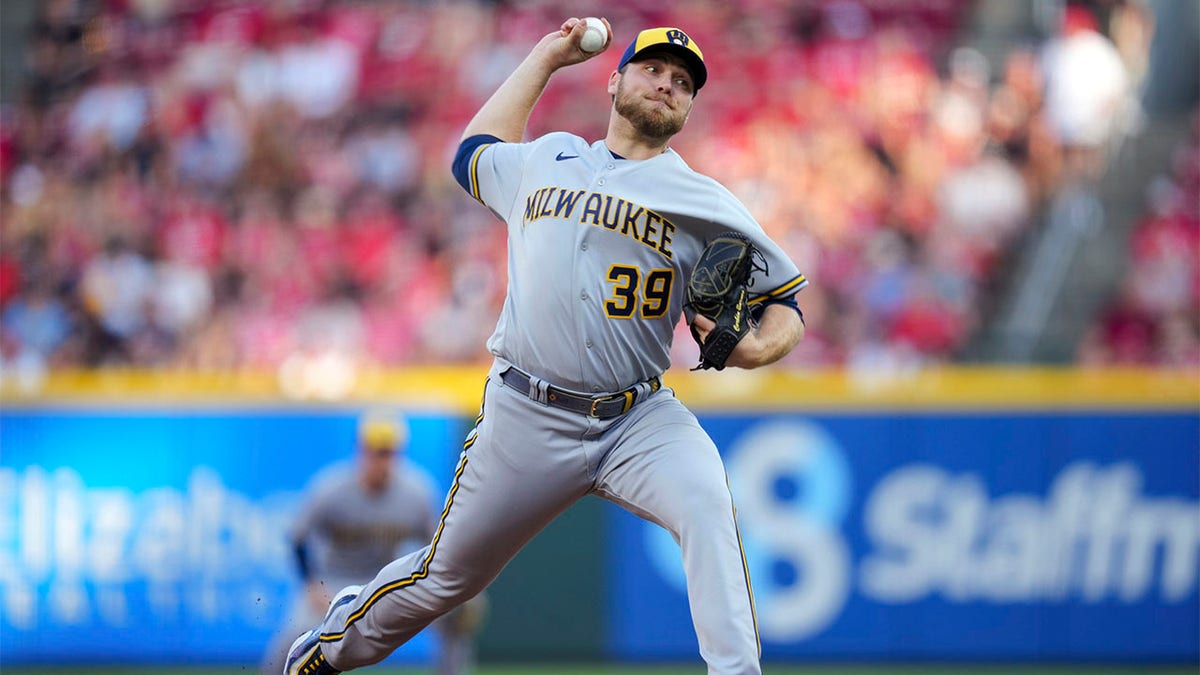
<point x="950" y="515"/>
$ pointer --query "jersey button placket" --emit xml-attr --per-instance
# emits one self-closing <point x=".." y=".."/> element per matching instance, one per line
<point x="583" y="246"/>
<point x="600" y="180"/>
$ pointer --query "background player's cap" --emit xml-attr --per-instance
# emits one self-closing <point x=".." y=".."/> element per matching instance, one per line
<point x="672" y="40"/>
<point x="377" y="431"/>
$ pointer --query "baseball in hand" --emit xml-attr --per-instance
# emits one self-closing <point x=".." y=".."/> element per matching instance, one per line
<point x="594" y="36"/>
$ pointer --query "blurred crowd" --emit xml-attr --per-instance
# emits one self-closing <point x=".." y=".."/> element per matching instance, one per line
<point x="265" y="184"/>
<point x="1155" y="317"/>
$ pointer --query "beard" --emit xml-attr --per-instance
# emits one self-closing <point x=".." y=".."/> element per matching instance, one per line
<point x="651" y="121"/>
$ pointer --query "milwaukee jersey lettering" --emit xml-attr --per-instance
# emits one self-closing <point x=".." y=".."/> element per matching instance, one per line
<point x="612" y="268"/>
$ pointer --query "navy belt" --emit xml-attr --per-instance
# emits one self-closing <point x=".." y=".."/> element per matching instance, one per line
<point x="600" y="407"/>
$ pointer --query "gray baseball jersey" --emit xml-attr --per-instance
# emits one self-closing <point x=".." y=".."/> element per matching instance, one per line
<point x="600" y="250"/>
<point x="350" y="534"/>
<point x="353" y="532"/>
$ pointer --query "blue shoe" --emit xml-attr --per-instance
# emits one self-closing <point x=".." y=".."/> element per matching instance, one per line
<point x="304" y="656"/>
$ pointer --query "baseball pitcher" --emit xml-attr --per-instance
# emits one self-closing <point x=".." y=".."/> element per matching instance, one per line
<point x="608" y="248"/>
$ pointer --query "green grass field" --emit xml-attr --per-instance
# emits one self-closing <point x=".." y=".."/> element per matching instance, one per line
<point x="577" y="669"/>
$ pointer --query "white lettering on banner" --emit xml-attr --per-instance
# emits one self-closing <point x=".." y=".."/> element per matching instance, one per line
<point x="68" y="553"/>
<point x="35" y="555"/>
<point x="1095" y="538"/>
<point x="1092" y="537"/>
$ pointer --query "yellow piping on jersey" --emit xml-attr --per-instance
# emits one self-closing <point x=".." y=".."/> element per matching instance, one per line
<point x="781" y="291"/>
<point x="475" y="172"/>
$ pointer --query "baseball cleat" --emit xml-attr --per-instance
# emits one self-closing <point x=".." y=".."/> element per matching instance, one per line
<point x="304" y="656"/>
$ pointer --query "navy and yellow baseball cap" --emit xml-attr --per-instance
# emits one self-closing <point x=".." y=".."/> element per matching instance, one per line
<point x="671" y="40"/>
<point x="380" y="432"/>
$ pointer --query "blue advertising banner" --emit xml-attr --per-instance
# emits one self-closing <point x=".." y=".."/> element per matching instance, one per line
<point x="947" y="536"/>
<point x="137" y="536"/>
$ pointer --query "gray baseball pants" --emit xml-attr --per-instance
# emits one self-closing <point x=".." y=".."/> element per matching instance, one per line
<point x="524" y="464"/>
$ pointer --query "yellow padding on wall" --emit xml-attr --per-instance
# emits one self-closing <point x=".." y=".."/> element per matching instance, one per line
<point x="457" y="389"/>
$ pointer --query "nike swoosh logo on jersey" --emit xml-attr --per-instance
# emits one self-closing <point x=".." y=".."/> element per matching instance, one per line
<point x="560" y="157"/>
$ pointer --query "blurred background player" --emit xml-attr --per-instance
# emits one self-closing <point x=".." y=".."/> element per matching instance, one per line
<point x="357" y="516"/>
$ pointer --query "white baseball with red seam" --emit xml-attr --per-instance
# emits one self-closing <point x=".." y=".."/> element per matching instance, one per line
<point x="595" y="35"/>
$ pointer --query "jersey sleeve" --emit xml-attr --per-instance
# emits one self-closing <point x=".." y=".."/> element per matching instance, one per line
<point x="305" y="521"/>
<point x="490" y="170"/>
<point x="782" y="279"/>
<point x="314" y="502"/>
